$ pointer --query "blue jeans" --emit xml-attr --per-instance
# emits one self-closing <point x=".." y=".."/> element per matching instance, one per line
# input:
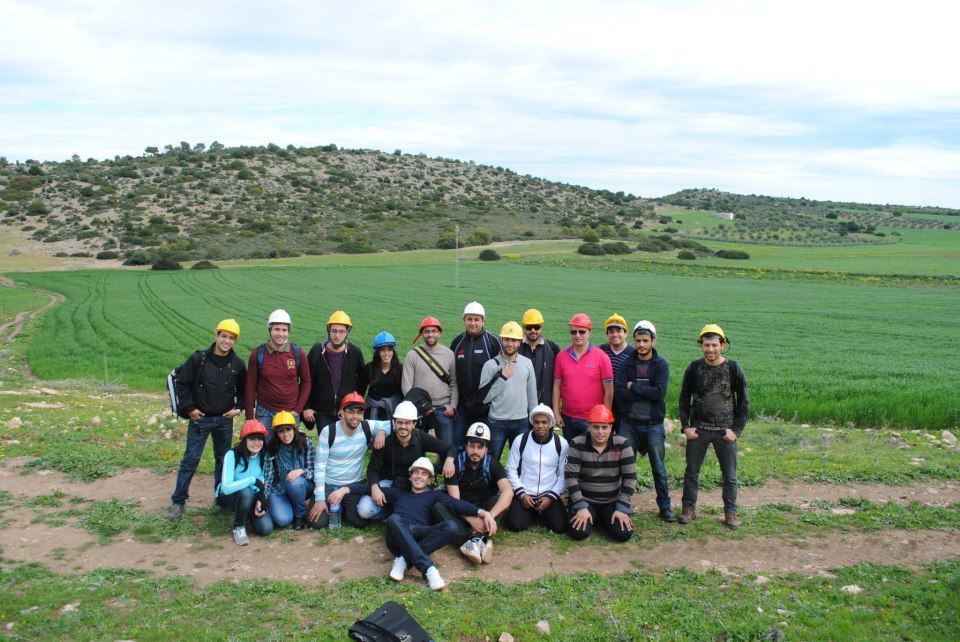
<point x="241" y="503"/>
<point x="368" y="508"/>
<point x="650" y="440"/>
<point x="290" y="502"/>
<point x="445" y="426"/>
<point x="265" y="416"/>
<point x="726" y="457"/>
<point x="415" y="542"/>
<point x="503" y="429"/>
<point x="218" y="427"/>
<point x="574" y="427"/>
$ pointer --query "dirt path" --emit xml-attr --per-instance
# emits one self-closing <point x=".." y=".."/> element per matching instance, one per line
<point x="12" y="328"/>
<point x="297" y="557"/>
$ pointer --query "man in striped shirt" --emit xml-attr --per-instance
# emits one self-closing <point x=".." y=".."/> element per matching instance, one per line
<point x="601" y="475"/>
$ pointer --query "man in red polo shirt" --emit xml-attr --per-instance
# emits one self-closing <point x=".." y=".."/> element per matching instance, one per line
<point x="582" y="378"/>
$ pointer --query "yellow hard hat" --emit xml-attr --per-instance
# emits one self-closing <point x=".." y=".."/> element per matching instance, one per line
<point x="284" y="418"/>
<point x="228" y="325"/>
<point x="615" y="320"/>
<point x="511" y="330"/>
<point x="713" y="328"/>
<point x="340" y="317"/>
<point x="532" y="317"/>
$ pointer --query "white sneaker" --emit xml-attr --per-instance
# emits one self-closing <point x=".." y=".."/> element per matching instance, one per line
<point x="240" y="536"/>
<point x="472" y="549"/>
<point x="399" y="568"/>
<point x="434" y="580"/>
<point x="487" y="553"/>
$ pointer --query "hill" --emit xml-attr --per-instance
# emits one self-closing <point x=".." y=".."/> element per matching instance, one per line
<point x="193" y="202"/>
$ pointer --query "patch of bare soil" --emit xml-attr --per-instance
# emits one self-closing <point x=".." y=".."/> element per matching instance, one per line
<point x="296" y="556"/>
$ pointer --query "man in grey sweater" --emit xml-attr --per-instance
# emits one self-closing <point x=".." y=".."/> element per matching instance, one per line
<point x="511" y="386"/>
<point x="430" y="367"/>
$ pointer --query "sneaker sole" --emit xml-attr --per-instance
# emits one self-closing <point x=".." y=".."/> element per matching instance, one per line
<point x="473" y="557"/>
<point x="487" y="555"/>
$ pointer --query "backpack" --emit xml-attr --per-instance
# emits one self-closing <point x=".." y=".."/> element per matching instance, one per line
<point x="389" y="623"/>
<point x="523" y="445"/>
<point x="262" y="348"/>
<point x="462" y="461"/>
<point x="332" y="434"/>
<point x="175" y="374"/>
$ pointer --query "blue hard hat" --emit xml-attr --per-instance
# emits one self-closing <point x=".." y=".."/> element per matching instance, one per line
<point x="384" y="339"/>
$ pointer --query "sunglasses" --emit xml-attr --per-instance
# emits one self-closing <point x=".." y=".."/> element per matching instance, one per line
<point x="533" y="327"/>
<point x="579" y="332"/>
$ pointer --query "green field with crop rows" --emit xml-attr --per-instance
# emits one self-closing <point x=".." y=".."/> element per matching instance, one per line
<point x="814" y="352"/>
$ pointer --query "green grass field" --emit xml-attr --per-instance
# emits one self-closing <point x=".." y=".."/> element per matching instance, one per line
<point x="16" y="300"/>
<point x="814" y="352"/>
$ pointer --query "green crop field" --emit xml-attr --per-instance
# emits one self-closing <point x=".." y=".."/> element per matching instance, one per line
<point x="814" y="352"/>
<point x="16" y="300"/>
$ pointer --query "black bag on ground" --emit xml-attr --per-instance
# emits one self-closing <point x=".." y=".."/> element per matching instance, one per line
<point x="389" y="623"/>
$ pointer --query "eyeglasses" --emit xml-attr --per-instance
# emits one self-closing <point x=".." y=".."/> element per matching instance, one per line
<point x="579" y="331"/>
<point x="532" y="327"/>
<point x="336" y="331"/>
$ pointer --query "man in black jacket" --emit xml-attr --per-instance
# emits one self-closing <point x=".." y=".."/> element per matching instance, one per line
<point x="471" y="349"/>
<point x="210" y="388"/>
<point x="336" y="370"/>
<point x="542" y="352"/>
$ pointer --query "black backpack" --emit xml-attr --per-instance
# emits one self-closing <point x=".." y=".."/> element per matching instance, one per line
<point x="389" y="623"/>
<point x="175" y="373"/>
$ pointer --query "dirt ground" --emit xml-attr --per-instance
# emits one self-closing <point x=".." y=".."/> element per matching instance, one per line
<point x="295" y="557"/>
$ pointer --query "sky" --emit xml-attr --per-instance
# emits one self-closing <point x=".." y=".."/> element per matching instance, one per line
<point x="824" y="99"/>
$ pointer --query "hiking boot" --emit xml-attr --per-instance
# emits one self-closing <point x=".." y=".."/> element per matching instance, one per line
<point x="486" y="555"/>
<point x="298" y="523"/>
<point x="240" y="536"/>
<point x="688" y="515"/>
<point x="731" y="521"/>
<point x="434" y="581"/>
<point x="667" y="515"/>
<point x="472" y="549"/>
<point x="176" y="512"/>
<point x="399" y="568"/>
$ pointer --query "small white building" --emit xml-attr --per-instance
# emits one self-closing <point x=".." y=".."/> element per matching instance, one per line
<point x="726" y="216"/>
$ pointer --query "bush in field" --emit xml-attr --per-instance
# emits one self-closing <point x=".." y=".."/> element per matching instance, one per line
<point x="446" y="242"/>
<point x="107" y="255"/>
<point x="591" y="236"/>
<point x="356" y="247"/>
<point x="732" y="254"/>
<point x="166" y="263"/>
<point x="590" y="249"/>
<point x="489" y="255"/>
<point x="686" y="255"/>
<point x="649" y="246"/>
<point x="203" y="265"/>
<point x="140" y="257"/>
<point x="616" y="248"/>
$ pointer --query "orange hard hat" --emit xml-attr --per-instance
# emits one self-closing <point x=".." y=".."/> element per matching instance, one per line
<point x="600" y="414"/>
<point x="581" y="320"/>
<point x="252" y="427"/>
<point x="353" y="399"/>
<point x="427" y="323"/>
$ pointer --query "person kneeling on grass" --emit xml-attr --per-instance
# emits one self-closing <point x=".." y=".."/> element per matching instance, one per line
<point x="242" y="487"/>
<point x="288" y="472"/>
<point x="601" y="476"/>
<point x="409" y="535"/>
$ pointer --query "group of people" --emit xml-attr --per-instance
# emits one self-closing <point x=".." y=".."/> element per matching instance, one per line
<point x="463" y="404"/>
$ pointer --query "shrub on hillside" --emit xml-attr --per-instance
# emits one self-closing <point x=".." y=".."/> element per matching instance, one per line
<point x="649" y="246"/>
<point x="140" y="257"/>
<point x="590" y="249"/>
<point x="203" y="265"/>
<point x="591" y="236"/>
<point x="489" y="255"/>
<point x="356" y="247"/>
<point x="732" y="254"/>
<point x="616" y="248"/>
<point x="686" y="255"/>
<point x="166" y="263"/>
<point x="446" y="243"/>
<point x="107" y="255"/>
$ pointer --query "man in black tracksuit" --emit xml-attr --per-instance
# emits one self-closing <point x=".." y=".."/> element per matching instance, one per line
<point x="471" y="349"/>
<point x="210" y="388"/>
<point x="337" y="368"/>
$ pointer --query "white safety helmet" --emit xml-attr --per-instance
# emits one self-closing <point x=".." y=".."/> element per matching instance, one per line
<point x="478" y="431"/>
<point x="474" y="308"/>
<point x="645" y="327"/>
<point x="405" y="410"/>
<point x="543" y="409"/>
<point x="422" y="463"/>
<point x="279" y="316"/>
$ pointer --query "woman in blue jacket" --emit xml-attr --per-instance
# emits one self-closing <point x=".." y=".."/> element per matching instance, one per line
<point x="242" y="487"/>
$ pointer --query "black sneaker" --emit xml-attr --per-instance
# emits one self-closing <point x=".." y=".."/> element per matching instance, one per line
<point x="176" y="512"/>
<point x="298" y="523"/>
<point x="667" y="515"/>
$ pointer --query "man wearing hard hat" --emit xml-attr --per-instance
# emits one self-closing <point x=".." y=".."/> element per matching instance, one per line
<point x="471" y="349"/>
<point x="541" y="352"/>
<point x="430" y="367"/>
<point x="337" y="368"/>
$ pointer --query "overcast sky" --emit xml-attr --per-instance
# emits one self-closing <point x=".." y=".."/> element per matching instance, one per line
<point x="827" y="99"/>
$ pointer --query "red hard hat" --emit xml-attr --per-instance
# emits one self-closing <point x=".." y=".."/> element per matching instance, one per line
<point x="353" y="399"/>
<point x="581" y="320"/>
<point x="426" y="323"/>
<point x="252" y="427"/>
<point x="600" y="414"/>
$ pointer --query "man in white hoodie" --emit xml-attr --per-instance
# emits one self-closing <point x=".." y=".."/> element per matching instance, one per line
<point x="535" y="470"/>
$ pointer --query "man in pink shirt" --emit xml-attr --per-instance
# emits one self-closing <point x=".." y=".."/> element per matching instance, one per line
<point x="582" y="378"/>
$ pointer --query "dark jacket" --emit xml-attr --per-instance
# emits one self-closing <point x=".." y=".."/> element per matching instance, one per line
<point x="470" y="353"/>
<point x="218" y="388"/>
<point x="392" y="462"/>
<point x="644" y="401"/>
<point x="324" y="400"/>
<point x="703" y="383"/>
<point x="543" y="358"/>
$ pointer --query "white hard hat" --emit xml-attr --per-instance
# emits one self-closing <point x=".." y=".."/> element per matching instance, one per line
<point x="543" y="409"/>
<point x="644" y="327"/>
<point x="279" y="316"/>
<point x="422" y="463"/>
<point x="479" y="431"/>
<point x="474" y="308"/>
<point x="405" y="410"/>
